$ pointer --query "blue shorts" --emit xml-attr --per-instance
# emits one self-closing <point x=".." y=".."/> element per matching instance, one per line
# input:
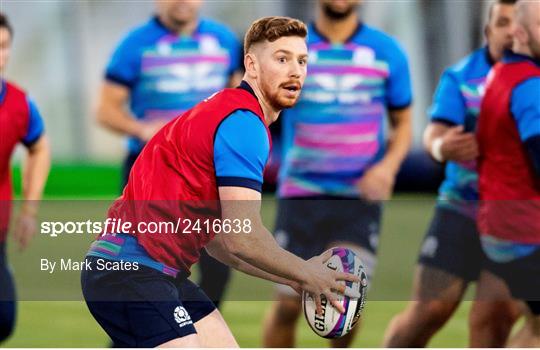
<point x="307" y="226"/>
<point x="144" y="307"/>
<point x="452" y="244"/>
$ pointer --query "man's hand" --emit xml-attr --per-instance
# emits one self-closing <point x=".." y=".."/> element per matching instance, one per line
<point x="148" y="129"/>
<point x="458" y="145"/>
<point x="25" y="229"/>
<point x="377" y="183"/>
<point x="322" y="280"/>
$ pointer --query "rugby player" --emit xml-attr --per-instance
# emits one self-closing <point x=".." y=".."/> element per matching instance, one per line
<point x="336" y="165"/>
<point x="20" y="122"/>
<point x="509" y="170"/>
<point x="206" y="163"/>
<point x="451" y="256"/>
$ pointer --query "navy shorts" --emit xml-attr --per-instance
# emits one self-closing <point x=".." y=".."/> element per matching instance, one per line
<point x="522" y="276"/>
<point x="129" y="161"/>
<point x="7" y="297"/>
<point x="143" y="308"/>
<point x="452" y="244"/>
<point x="307" y="226"/>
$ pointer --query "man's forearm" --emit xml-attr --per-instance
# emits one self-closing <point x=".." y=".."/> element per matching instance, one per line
<point x="112" y="113"/>
<point x="260" y="250"/>
<point x="400" y="140"/>
<point x="35" y="173"/>
<point x="241" y="265"/>
<point x="119" y="121"/>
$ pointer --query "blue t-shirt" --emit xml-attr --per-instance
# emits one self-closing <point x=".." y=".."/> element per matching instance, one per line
<point x="457" y="102"/>
<point x="36" y="126"/>
<point x="167" y="73"/>
<point x="335" y="131"/>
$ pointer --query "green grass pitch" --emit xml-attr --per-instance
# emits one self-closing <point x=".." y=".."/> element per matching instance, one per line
<point x="69" y="324"/>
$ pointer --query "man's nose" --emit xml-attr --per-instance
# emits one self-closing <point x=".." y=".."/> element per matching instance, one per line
<point x="296" y="70"/>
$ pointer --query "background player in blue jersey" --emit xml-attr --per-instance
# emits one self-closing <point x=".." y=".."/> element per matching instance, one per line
<point x="161" y="69"/>
<point x="20" y="122"/>
<point x="451" y="255"/>
<point x="336" y="165"/>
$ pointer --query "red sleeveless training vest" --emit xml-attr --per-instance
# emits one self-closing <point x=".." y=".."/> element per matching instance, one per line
<point x="174" y="177"/>
<point x="509" y="187"/>
<point x="14" y="119"/>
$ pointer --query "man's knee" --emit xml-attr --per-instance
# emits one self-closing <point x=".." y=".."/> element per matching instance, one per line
<point x="432" y="314"/>
<point x="495" y="315"/>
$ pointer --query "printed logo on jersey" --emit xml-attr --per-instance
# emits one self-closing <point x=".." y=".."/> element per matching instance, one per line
<point x="182" y="317"/>
<point x="344" y="75"/>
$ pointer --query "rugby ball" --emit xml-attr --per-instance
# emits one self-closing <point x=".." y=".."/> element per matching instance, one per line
<point x="332" y="324"/>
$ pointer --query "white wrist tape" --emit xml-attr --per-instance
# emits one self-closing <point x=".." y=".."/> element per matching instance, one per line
<point x="436" y="147"/>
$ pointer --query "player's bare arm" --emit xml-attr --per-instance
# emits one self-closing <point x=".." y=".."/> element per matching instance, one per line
<point x="112" y="113"/>
<point x="444" y="142"/>
<point x="378" y="182"/>
<point x="260" y="249"/>
<point x="218" y="251"/>
<point x="35" y="171"/>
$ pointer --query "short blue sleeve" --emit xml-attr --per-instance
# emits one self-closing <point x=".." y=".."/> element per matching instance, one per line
<point x="525" y="106"/>
<point x="241" y="149"/>
<point x="448" y="104"/>
<point x="399" y="90"/>
<point x="124" y="65"/>
<point x="35" y="125"/>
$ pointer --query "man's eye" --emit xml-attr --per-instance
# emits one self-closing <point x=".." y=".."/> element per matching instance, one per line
<point x="302" y="62"/>
<point x="282" y="59"/>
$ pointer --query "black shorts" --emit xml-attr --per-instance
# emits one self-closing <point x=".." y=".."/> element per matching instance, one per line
<point x="452" y="244"/>
<point x="143" y="308"/>
<point x="306" y="226"/>
<point x="7" y="296"/>
<point x="522" y="276"/>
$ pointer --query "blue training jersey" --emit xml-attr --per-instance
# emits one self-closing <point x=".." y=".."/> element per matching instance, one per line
<point x="457" y="102"/>
<point x="335" y="131"/>
<point x="167" y="73"/>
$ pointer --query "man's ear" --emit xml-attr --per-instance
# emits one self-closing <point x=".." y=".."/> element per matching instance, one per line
<point x="520" y="34"/>
<point x="250" y="64"/>
<point x="486" y="32"/>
